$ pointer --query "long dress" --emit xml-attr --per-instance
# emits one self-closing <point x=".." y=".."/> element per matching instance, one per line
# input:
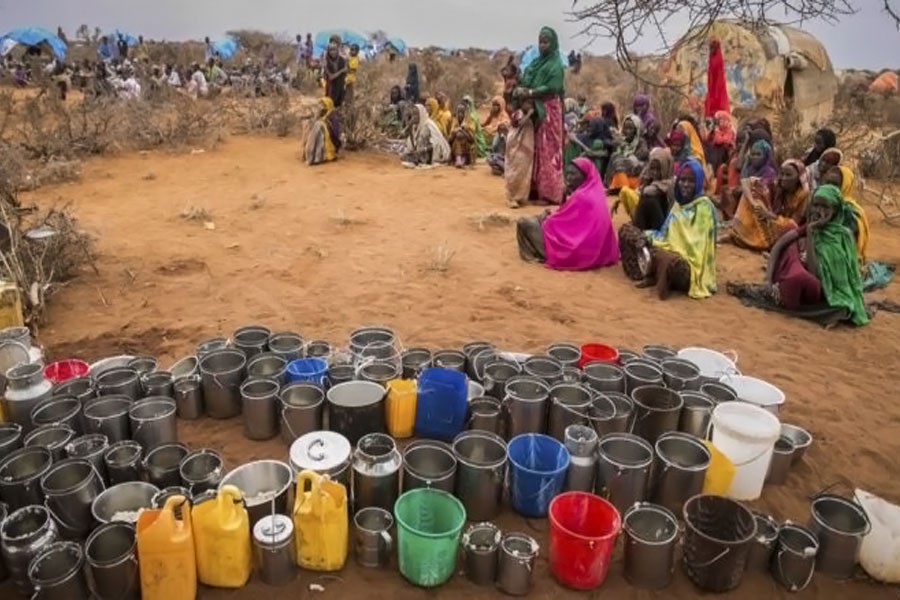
<point x="755" y="230"/>
<point x="519" y="163"/>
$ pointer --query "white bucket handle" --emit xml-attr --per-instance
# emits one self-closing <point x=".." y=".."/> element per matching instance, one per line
<point x="793" y="586"/>
<point x="731" y="355"/>
<point x="719" y="557"/>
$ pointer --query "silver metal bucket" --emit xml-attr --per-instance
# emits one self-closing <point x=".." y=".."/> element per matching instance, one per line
<point x="569" y="403"/>
<point x="801" y="438"/>
<point x="657" y="411"/>
<point x="273" y="540"/>
<point x="108" y="416"/>
<point x="760" y="556"/>
<point x="681" y="465"/>
<point x="221" y="375"/>
<point x="211" y="345"/>
<point x="259" y="398"/>
<point x="782" y="459"/>
<point x="567" y="354"/>
<point x="495" y="375"/>
<point x="122" y="502"/>
<point x="486" y="414"/>
<point x="626" y="356"/>
<point x="10" y="438"/>
<point x="373" y="342"/>
<point x="680" y="374"/>
<point x="604" y="377"/>
<point x="122" y="381"/>
<point x="719" y="392"/>
<point x="622" y="419"/>
<point x="111" y="554"/>
<point x="58" y="411"/>
<point x="23" y="533"/>
<point x="158" y="383"/>
<point x="20" y="476"/>
<point x="379" y="371"/>
<point x="160" y="497"/>
<point x="82" y="388"/>
<point x="161" y="464"/>
<point x="545" y="368"/>
<point x="57" y="573"/>
<point x="413" y="361"/>
<point x="70" y="488"/>
<point x="481" y="471"/>
<point x="794" y="559"/>
<point x="188" y="366"/>
<point x="429" y="464"/>
<point x="91" y="447"/>
<point x="840" y="526"/>
<point x="696" y="413"/>
<point x="251" y="340"/>
<point x="373" y="543"/>
<point x="658" y="352"/>
<point x="267" y="365"/>
<point x="515" y="568"/>
<point x="318" y="349"/>
<point x="123" y="461"/>
<point x="526" y="405"/>
<point x="201" y="470"/>
<point x="286" y="344"/>
<point x="450" y="359"/>
<point x="581" y="442"/>
<point x="302" y="410"/>
<point x="481" y="544"/>
<point x="264" y="484"/>
<point x="143" y="364"/>
<point x="188" y="394"/>
<point x="52" y="437"/>
<point x="623" y="469"/>
<point x="639" y="373"/>
<point x="153" y="422"/>
<point x="651" y="532"/>
<point x="376" y="466"/>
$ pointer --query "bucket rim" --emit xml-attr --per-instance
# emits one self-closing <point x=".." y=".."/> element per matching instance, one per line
<point x="118" y="446"/>
<point x="169" y="403"/>
<point x="274" y="388"/>
<point x="518" y="536"/>
<point x="698" y="397"/>
<point x="486" y="526"/>
<point x="770" y="521"/>
<point x="520" y="378"/>
<point x="453" y="500"/>
<point x="20" y="513"/>
<point x="687" y="438"/>
<point x="102" y="529"/>
<point x="625" y="437"/>
<point x="486" y="435"/>
<point x="202" y="362"/>
<point x="654" y="508"/>
<point x="145" y="461"/>
<point x="89" y="440"/>
<point x="24" y="451"/>
<point x="779" y="394"/>
<point x="803" y="531"/>
<point x="696" y="531"/>
<point x="286" y="468"/>
<point x="800" y="430"/>
<point x="725" y="413"/>
<point x="125" y="401"/>
<point x="60" y="546"/>
<point x="658" y="388"/>
<point x="425" y="445"/>
<point x="356" y="383"/>
<point x="27" y="440"/>
<point x="68" y="462"/>
<point x="114" y="490"/>
<point x="520" y="439"/>
<point x="848" y="503"/>
<point x="305" y="385"/>
<point x="56" y="400"/>
<point x="554" y="521"/>
<point x="131" y="372"/>
<point x="389" y="522"/>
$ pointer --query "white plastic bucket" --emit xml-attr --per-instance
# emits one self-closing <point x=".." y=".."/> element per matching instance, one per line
<point x="746" y="434"/>
<point x="713" y="365"/>
<point x="755" y="391"/>
<point x="879" y="554"/>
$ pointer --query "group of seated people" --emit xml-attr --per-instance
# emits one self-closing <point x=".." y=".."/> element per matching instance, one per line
<point x="689" y="188"/>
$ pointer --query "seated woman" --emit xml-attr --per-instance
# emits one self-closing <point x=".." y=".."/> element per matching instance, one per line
<point x="481" y="144"/>
<point x="324" y="140"/>
<point x="813" y="271"/>
<point x="651" y="127"/>
<point x="721" y="142"/>
<point x="442" y="118"/>
<point x="648" y="206"/>
<point x="496" y="160"/>
<point x="463" y="145"/>
<point x="760" y="163"/>
<point x="831" y="157"/>
<point x="426" y="144"/>
<point x="856" y="221"/>
<point x="571" y="114"/>
<point x="693" y="143"/>
<point x="627" y="161"/>
<point x="610" y="114"/>
<point x="728" y="187"/>
<point x="823" y="140"/>
<point x="392" y="121"/>
<point x="594" y="140"/>
<point x="766" y="212"/>
<point x="681" y="255"/>
<point x="577" y="236"/>
<point x="497" y="118"/>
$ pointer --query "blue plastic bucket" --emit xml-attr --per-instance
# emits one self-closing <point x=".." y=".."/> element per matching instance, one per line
<point x="537" y="473"/>
<point x="313" y="370"/>
<point x="443" y="397"/>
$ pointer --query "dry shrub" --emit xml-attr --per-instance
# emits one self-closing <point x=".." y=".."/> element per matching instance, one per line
<point x="490" y="220"/>
<point x="13" y="173"/>
<point x="271" y="114"/>
<point x="441" y="258"/>
<point x="54" y="171"/>
<point x="195" y="213"/>
<point x="180" y="122"/>
<point x="51" y="129"/>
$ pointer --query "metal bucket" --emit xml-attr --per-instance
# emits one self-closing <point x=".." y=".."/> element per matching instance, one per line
<point x="143" y="364"/>
<point x="429" y="464"/>
<point x="373" y="342"/>
<point x="111" y="553"/>
<point x="221" y="375"/>
<point x="481" y="471"/>
<point x="515" y="567"/>
<point x="58" y="411"/>
<point x="23" y="533"/>
<point x="259" y="398"/>
<point x="486" y="414"/>
<point x="472" y="350"/>
<point x="251" y="340"/>
<point x="696" y="413"/>
<point x="356" y="408"/>
<point x="622" y="419"/>
<point x="158" y="383"/>
<point x="627" y="355"/>
<point x="581" y="442"/>
<point x="373" y="542"/>
<point x="719" y="392"/>
<point x="413" y="361"/>
<point x="801" y="438"/>
<point x="682" y="461"/>
<point x="623" y="469"/>
<point x="122" y="502"/>
<point x="526" y="405"/>
<point x="379" y="371"/>
<point x="160" y="497"/>
<point x="495" y="375"/>
<point x="123" y="461"/>
<point x="273" y="539"/>
<point x="57" y="573"/>
<point x="188" y="366"/>
<point x="840" y="526"/>
<point x="450" y="359"/>
<point x="70" y="487"/>
<point x="657" y="411"/>
<point x="794" y="560"/>
<point x="121" y="381"/>
<point x="478" y="359"/>
<point x="20" y="476"/>
<point x="161" y="464"/>
<point x="211" y="345"/>
<point x="569" y="403"/>
<point x="82" y="388"/>
<point x="302" y="410"/>
<point x="680" y="374"/>
<point x="604" y="377"/>
<point x="782" y="459"/>
<point x="339" y="373"/>
<point x="651" y="532"/>
<point x="760" y="556"/>
<point x="318" y="349"/>
<point x="567" y="354"/>
<point x="10" y="438"/>
<point x="480" y="544"/>
<point x="266" y="486"/>
<point x="52" y="437"/>
<point x="201" y="470"/>
<point x="267" y="365"/>
<point x="108" y="416"/>
<point x="153" y="422"/>
<point x="639" y="373"/>
<point x="718" y="536"/>
<point x="188" y="393"/>
<point x="286" y="344"/>
<point x="91" y="447"/>
<point x="545" y="368"/>
<point x="658" y="352"/>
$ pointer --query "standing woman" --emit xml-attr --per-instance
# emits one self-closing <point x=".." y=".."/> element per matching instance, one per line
<point x="335" y="75"/>
<point x="412" y="83"/>
<point x="542" y="82"/>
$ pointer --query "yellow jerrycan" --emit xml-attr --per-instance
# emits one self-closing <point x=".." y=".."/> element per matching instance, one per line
<point x="321" y="523"/>
<point x="222" y="540"/>
<point x="400" y="407"/>
<point x="165" y="544"/>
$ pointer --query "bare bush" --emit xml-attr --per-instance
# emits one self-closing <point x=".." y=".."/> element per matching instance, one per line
<point x="195" y="213"/>
<point x="441" y="258"/>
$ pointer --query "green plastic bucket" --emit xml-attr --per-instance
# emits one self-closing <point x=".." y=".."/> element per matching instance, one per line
<point x="429" y="523"/>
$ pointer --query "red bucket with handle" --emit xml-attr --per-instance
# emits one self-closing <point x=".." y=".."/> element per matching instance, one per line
<point x="597" y="352"/>
<point x="63" y="370"/>
<point x="583" y="532"/>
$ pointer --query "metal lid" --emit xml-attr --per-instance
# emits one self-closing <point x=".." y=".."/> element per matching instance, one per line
<point x="273" y="530"/>
<point x="320" y="451"/>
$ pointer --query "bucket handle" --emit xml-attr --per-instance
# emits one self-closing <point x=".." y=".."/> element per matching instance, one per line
<point x="287" y="424"/>
<point x="388" y="541"/>
<point x="731" y="355"/>
<point x="716" y="559"/>
<point x="793" y="586"/>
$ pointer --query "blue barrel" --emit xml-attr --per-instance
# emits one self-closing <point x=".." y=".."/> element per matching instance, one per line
<point x="313" y="370"/>
<point x="537" y="472"/>
<point x="441" y="405"/>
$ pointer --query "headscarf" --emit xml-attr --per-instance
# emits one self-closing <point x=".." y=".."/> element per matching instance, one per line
<point x="837" y="266"/>
<point x="608" y="112"/>
<point x="695" y="141"/>
<point x="442" y="118"/>
<point x="641" y="106"/>
<point x="829" y="140"/>
<point x="580" y="235"/>
<point x="857" y="213"/>
<point x="716" y="88"/>
<point x="481" y="144"/>
<point x="625" y="147"/>
<point x="675" y="136"/>
<point x="432" y="106"/>
<point x="570" y="105"/>
<point x="690" y="232"/>
<point x="724" y="133"/>
<point x="666" y="169"/>
<point x="501" y="119"/>
<point x="330" y="132"/>
<point x="425" y="133"/>
<point x="795" y="205"/>
<point x="766" y="171"/>
<point x="546" y="73"/>
<point x="396" y="95"/>
<point x="412" y="83"/>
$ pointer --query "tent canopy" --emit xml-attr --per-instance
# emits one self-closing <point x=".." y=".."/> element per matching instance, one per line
<point x="129" y="39"/>
<point x="36" y="36"/>
<point x="398" y="44"/>
<point x="532" y="52"/>
<point x="320" y="42"/>
<point x="225" y="48"/>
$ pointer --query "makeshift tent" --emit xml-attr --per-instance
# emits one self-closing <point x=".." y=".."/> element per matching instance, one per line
<point x="532" y="52"/>
<point x="113" y="37"/>
<point x="397" y="44"/>
<point x="320" y="42"/>
<point x="35" y="36"/>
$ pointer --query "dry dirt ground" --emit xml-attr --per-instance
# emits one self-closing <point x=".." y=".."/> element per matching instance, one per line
<point x="362" y="241"/>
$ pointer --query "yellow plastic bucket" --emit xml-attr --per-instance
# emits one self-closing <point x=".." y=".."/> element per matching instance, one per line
<point x="720" y="472"/>
<point x="400" y="407"/>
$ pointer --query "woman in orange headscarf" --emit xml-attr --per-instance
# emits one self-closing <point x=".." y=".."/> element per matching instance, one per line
<point x="498" y="117"/>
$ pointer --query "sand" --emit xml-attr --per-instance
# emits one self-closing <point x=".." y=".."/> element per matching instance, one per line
<point x="324" y="250"/>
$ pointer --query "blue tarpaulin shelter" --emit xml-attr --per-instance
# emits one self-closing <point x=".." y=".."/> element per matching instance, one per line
<point x="320" y="43"/>
<point x="398" y="45"/>
<point x="532" y="52"/>
<point x="225" y="48"/>
<point x="36" y="36"/>
<point x="113" y="37"/>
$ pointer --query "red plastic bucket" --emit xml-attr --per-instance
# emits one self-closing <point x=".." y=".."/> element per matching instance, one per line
<point x="63" y="370"/>
<point x="583" y="532"/>
<point x="597" y="352"/>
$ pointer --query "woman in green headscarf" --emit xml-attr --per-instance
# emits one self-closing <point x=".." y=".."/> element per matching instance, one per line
<point x="542" y="82"/>
<point x="813" y="271"/>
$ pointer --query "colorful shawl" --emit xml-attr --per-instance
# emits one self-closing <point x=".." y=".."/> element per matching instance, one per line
<point x="501" y="119"/>
<point x="641" y="107"/>
<point x="481" y="145"/>
<point x="442" y="118"/>
<point x="836" y="258"/>
<point x="766" y="171"/>
<point x="545" y="74"/>
<point x="324" y="139"/>
<point x="426" y="134"/>
<point x="857" y="213"/>
<point x="716" y="89"/>
<point x="724" y="133"/>
<point x="690" y="232"/>
<point x="580" y="235"/>
<point x="696" y="143"/>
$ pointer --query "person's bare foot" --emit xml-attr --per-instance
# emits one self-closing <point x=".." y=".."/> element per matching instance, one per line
<point x="662" y="277"/>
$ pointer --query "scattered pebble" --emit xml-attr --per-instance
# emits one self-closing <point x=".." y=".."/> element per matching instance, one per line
<point x="315" y="587"/>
